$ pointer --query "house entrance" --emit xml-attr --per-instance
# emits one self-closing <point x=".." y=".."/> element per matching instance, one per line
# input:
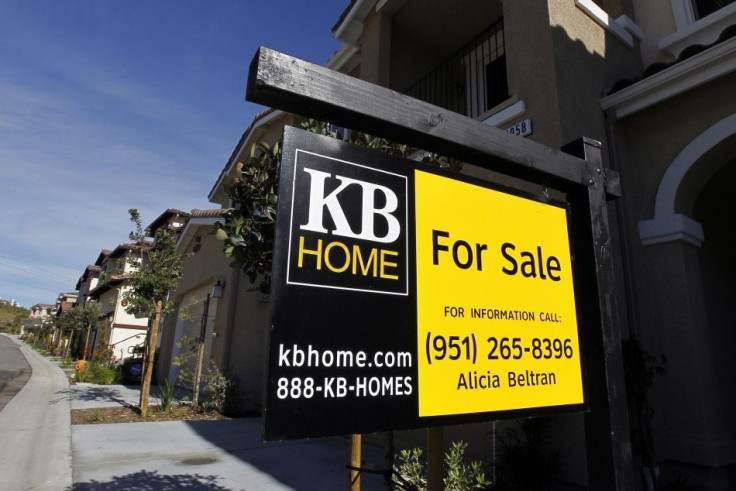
<point x="715" y="208"/>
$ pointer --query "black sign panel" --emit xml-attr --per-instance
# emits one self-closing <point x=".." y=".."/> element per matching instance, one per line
<point x="342" y="341"/>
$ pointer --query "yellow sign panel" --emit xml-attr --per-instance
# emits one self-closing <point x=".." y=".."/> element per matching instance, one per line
<point x="497" y="328"/>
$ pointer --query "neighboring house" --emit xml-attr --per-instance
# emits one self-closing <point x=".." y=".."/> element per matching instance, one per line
<point x="235" y="332"/>
<point x="65" y="302"/>
<point x="41" y="312"/>
<point x="198" y="304"/>
<point x="87" y="282"/>
<point x="122" y="331"/>
<point x="9" y="303"/>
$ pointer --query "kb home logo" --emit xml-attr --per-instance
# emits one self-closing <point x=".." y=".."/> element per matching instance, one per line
<point x="348" y="226"/>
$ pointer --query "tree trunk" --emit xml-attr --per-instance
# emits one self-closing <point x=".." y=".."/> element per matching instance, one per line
<point x="69" y="345"/>
<point x="86" y="343"/>
<point x="200" y="352"/>
<point x="148" y="363"/>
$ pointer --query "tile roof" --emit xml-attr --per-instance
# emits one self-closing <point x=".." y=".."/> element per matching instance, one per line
<point x="242" y="140"/>
<point x="163" y="217"/>
<point x="211" y="213"/>
<point x="128" y="246"/>
<point x="686" y="53"/>
<point x="103" y="286"/>
<point x="101" y="257"/>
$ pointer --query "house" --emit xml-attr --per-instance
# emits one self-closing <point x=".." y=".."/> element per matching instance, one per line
<point x="652" y="80"/>
<point x="64" y="303"/>
<point x="233" y="322"/>
<point x="87" y="282"/>
<point x="120" y="331"/>
<point x="41" y="312"/>
<point x="672" y="135"/>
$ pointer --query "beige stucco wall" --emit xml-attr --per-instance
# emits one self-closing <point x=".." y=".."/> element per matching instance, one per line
<point x="201" y="270"/>
<point x="694" y="418"/>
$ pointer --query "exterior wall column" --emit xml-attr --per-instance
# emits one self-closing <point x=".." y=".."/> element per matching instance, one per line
<point x="376" y="50"/>
<point x="689" y="417"/>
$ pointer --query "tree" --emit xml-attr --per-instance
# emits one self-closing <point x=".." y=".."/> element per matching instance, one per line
<point x="78" y="319"/>
<point x="157" y="269"/>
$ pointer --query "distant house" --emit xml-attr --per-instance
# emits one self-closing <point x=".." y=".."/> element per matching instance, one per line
<point x="120" y="331"/>
<point x="9" y="303"/>
<point x="88" y="281"/>
<point x="41" y="312"/>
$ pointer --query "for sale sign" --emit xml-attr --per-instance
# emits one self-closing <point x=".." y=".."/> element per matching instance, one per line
<point x="403" y="297"/>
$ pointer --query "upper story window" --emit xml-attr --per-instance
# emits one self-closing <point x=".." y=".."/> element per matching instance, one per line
<point x="701" y="8"/>
<point x="471" y="81"/>
<point x="698" y="22"/>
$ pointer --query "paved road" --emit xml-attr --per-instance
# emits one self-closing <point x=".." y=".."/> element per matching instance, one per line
<point x="36" y="437"/>
<point x="14" y="370"/>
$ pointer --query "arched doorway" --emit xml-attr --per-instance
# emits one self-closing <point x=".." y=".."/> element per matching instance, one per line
<point x="715" y="209"/>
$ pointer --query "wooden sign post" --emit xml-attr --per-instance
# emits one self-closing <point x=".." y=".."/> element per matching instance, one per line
<point x="286" y="83"/>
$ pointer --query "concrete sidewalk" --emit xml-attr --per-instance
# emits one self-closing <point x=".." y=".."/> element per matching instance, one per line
<point x="35" y="428"/>
<point x="41" y="450"/>
<point x="223" y="454"/>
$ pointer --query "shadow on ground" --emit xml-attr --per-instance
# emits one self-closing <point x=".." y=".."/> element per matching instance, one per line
<point x="152" y="480"/>
<point x="99" y="393"/>
<point x="305" y="464"/>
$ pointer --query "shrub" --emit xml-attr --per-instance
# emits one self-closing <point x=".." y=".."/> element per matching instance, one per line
<point x="167" y="396"/>
<point x="99" y="373"/>
<point x="215" y="386"/>
<point x="459" y="475"/>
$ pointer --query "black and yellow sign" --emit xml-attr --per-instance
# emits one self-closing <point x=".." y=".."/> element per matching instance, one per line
<point x="406" y="297"/>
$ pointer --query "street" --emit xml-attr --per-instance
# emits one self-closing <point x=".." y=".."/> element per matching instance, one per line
<point x="14" y="370"/>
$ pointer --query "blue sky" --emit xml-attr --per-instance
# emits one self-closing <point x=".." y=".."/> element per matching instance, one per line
<point x="111" y="105"/>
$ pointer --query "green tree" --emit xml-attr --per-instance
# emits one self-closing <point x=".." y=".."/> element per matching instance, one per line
<point x="157" y="270"/>
<point x="84" y="318"/>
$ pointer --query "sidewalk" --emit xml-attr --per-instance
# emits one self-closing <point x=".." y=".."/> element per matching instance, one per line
<point x="35" y="427"/>
<point x="41" y="450"/>
<point x="222" y="454"/>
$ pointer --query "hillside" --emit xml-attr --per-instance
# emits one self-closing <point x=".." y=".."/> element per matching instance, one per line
<point x="8" y="314"/>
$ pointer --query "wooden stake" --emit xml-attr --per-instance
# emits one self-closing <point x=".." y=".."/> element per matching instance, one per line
<point x="434" y="459"/>
<point x="356" y="448"/>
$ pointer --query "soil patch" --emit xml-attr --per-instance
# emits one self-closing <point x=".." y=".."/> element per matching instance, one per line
<point x="130" y="414"/>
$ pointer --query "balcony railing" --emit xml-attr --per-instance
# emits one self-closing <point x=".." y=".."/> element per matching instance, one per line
<point x="471" y="81"/>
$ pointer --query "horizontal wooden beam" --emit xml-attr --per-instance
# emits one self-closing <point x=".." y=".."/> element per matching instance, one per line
<point x="293" y="85"/>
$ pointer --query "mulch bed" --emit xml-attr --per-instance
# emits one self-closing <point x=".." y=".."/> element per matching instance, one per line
<point x="131" y="414"/>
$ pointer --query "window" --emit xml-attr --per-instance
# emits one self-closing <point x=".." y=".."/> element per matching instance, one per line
<point x="701" y="8"/>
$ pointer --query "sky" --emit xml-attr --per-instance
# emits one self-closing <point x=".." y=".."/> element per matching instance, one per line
<point x="110" y="105"/>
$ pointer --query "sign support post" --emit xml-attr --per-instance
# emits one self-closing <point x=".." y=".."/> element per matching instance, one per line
<point x="356" y="457"/>
<point x="434" y="458"/>
<point x="286" y="83"/>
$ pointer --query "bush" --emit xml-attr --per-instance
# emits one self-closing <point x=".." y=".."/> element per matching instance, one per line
<point x="215" y="386"/>
<point x="459" y="476"/>
<point x="96" y="372"/>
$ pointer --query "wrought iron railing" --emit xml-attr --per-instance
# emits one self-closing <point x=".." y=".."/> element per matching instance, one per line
<point x="472" y="80"/>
